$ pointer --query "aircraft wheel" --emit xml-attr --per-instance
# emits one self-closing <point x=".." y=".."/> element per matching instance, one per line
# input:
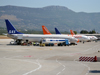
<point x="64" y="44"/>
<point x="18" y="42"/>
<point x="58" y="44"/>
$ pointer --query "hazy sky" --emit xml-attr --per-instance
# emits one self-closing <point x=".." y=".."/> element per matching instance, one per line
<point x="75" y="5"/>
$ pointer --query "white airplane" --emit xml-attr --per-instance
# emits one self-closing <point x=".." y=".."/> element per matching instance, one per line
<point x="81" y="38"/>
<point x="91" y="37"/>
<point x="18" y="36"/>
<point x="46" y="32"/>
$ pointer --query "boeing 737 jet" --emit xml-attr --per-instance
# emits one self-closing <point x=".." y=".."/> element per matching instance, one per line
<point x="91" y="37"/>
<point x="81" y="38"/>
<point x="46" y="32"/>
<point x="18" y="36"/>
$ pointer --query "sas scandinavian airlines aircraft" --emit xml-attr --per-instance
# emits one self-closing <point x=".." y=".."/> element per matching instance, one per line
<point x="46" y="32"/>
<point x="91" y="37"/>
<point x="18" y="36"/>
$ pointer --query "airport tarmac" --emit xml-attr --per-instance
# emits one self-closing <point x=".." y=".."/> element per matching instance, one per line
<point x="36" y="60"/>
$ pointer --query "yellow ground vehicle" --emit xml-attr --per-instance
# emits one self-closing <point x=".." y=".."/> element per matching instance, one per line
<point x="42" y="44"/>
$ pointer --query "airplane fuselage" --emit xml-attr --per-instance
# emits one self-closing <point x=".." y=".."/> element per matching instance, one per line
<point x="39" y="37"/>
<point x="92" y="38"/>
<point x="81" y="37"/>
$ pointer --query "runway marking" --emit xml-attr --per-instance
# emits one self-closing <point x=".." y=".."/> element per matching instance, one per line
<point x="62" y="65"/>
<point x="76" y="53"/>
<point x="29" y="62"/>
<point x="28" y="56"/>
<point x="34" y="69"/>
<point x="50" y="49"/>
<point x="85" y="64"/>
<point x="89" y="49"/>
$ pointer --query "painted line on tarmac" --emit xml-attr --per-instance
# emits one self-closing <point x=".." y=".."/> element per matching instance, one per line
<point x="89" y="49"/>
<point x="76" y="53"/>
<point x="85" y="64"/>
<point x="37" y="63"/>
<point x="62" y="65"/>
<point x="34" y="69"/>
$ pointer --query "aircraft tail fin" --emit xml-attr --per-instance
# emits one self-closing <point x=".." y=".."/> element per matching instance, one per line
<point x="45" y="30"/>
<point x="57" y="32"/>
<point x="10" y="28"/>
<point x="72" y="33"/>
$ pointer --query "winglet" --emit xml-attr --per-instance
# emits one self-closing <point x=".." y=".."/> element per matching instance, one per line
<point x="78" y="41"/>
<point x="10" y="28"/>
<point x="57" y="31"/>
<point x="45" y="30"/>
<point x="72" y="33"/>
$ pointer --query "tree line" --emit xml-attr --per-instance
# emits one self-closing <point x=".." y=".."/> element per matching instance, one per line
<point x="88" y="32"/>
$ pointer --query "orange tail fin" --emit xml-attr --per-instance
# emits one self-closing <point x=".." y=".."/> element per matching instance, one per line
<point x="72" y="33"/>
<point x="45" y="30"/>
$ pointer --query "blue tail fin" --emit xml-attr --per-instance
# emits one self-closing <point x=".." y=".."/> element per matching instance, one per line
<point x="57" y="32"/>
<point x="10" y="28"/>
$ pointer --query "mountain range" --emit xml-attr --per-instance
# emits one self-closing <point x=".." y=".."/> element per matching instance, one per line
<point x="51" y="16"/>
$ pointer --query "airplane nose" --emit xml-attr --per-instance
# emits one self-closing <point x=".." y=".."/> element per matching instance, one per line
<point x="96" y="38"/>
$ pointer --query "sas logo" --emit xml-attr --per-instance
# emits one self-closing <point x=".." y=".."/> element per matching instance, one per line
<point x="12" y="31"/>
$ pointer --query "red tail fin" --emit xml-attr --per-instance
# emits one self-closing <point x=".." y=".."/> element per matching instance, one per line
<point x="45" y="30"/>
<point x="72" y="33"/>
